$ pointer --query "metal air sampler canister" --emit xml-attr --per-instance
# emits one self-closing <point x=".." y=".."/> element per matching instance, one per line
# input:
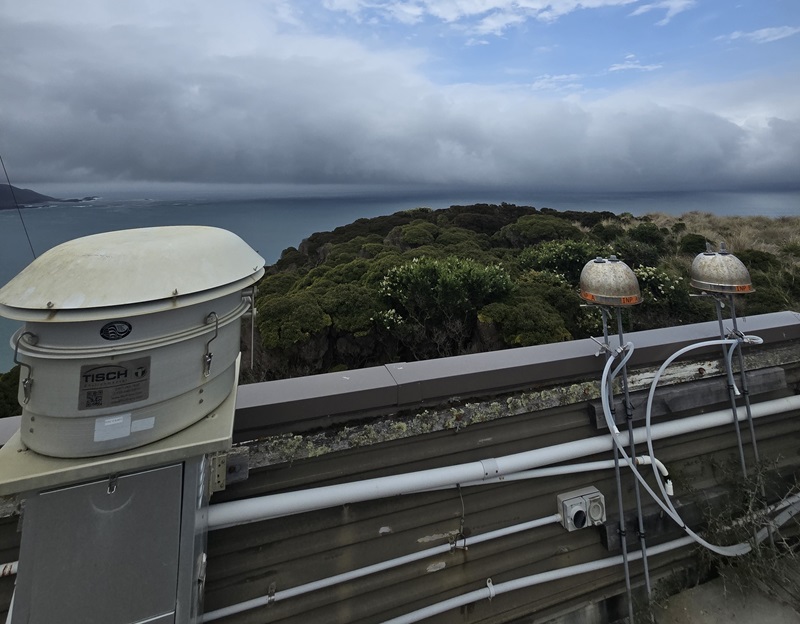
<point x="720" y="272"/>
<point x="129" y="336"/>
<point x="609" y="282"/>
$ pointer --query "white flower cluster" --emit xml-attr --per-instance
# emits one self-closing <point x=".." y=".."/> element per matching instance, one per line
<point x="388" y="318"/>
<point x="659" y="283"/>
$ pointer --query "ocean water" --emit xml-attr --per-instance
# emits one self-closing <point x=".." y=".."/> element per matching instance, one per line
<point x="270" y="225"/>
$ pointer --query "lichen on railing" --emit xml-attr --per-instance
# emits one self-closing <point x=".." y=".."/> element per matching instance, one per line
<point x="453" y="416"/>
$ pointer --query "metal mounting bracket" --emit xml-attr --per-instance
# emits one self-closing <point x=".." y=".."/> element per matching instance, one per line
<point x="218" y="472"/>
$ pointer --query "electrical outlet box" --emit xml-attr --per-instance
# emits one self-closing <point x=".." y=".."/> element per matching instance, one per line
<point x="582" y="508"/>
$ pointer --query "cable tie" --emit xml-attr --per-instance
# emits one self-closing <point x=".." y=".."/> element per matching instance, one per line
<point x="490" y="585"/>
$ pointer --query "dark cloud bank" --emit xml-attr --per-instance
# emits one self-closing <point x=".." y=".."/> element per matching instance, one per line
<point x="127" y="103"/>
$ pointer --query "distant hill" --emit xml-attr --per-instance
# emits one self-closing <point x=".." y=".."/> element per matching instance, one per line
<point x="27" y="197"/>
<point x="24" y="196"/>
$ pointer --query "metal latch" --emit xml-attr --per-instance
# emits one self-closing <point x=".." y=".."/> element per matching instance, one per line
<point x="202" y="561"/>
<point x="208" y="357"/>
<point x="27" y="383"/>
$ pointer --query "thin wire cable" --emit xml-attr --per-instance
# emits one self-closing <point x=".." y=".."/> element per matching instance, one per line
<point x="19" y="211"/>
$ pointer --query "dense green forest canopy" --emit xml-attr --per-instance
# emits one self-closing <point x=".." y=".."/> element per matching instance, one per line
<point x="428" y="283"/>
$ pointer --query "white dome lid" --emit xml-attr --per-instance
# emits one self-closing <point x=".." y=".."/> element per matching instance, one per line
<point x="129" y="267"/>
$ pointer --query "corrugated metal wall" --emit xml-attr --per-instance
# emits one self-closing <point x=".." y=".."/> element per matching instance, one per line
<point x="249" y="561"/>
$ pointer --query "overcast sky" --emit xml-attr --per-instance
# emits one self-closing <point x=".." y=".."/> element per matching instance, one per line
<point x="581" y="95"/>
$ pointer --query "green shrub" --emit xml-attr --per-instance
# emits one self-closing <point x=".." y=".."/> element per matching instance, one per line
<point x="756" y="260"/>
<point x="648" y="234"/>
<point x="452" y="236"/>
<point x="559" y="294"/>
<point x="532" y="229"/>
<point x="370" y="250"/>
<point x="277" y="284"/>
<point x="765" y="299"/>
<point x="432" y="303"/>
<point x="418" y="234"/>
<point x="665" y="300"/>
<point x="607" y="233"/>
<point x="692" y="244"/>
<point x="792" y="249"/>
<point x="524" y="322"/>
<point x="565" y="258"/>
<point x="291" y="258"/>
<point x="9" y="384"/>
<point x="351" y="308"/>
<point x="479" y="222"/>
<point x="291" y="319"/>
<point x="635" y="253"/>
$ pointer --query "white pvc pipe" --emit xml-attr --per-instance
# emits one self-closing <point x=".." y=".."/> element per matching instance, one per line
<point x="8" y="569"/>
<point x="372" y="569"/>
<point x="10" y="613"/>
<point x="491" y="590"/>
<point x="277" y="505"/>
<point x="646" y="460"/>
<point x="555" y="471"/>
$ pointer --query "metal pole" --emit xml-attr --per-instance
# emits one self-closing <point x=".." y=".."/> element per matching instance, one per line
<point x="749" y="412"/>
<point x="731" y="391"/>
<point x="743" y="377"/>
<point x="618" y="478"/>
<point x="629" y="417"/>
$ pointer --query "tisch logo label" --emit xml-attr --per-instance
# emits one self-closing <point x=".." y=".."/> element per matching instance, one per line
<point x="106" y="373"/>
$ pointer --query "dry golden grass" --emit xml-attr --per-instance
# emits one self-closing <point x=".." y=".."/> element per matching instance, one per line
<point x="774" y="235"/>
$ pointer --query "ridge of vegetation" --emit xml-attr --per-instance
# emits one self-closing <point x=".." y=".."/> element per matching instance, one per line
<point x="426" y="283"/>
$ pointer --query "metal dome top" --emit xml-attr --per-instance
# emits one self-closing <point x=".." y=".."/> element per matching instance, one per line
<point x="129" y="268"/>
<point x="609" y="282"/>
<point x="720" y="272"/>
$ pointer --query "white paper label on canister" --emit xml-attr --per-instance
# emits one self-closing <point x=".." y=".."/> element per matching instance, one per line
<point x="112" y="427"/>
<point x="143" y="424"/>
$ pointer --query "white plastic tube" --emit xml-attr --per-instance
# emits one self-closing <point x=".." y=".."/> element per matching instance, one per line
<point x="8" y="569"/>
<point x="555" y="471"/>
<point x="277" y="505"/>
<point x="734" y="343"/>
<point x="668" y="507"/>
<point x="646" y="460"/>
<point x="491" y="590"/>
<point x="372" y="569"/>
<point x="10" y="614"/>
